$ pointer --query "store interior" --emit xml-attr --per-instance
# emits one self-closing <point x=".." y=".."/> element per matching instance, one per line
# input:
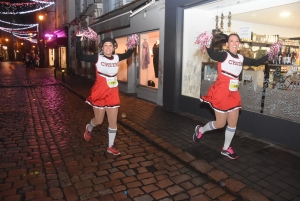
<point x="148" y="62"/>
<point x="273" y="88"/>
<point x="149" y="59"/>
<point x="268" y="22"/>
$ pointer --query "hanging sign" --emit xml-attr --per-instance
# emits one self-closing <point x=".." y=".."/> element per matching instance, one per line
<point x="245" y="32"/>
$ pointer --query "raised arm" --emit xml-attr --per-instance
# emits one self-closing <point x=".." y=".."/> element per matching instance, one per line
<point x="84" y="57"/>
<point x="126" y="55"/>
<point x="217" y="56"/>
<point x="255" y="62"/>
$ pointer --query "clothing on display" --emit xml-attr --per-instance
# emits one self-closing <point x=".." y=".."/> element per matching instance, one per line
<point x="155" y="51"/>
<point x="145" y="55"/>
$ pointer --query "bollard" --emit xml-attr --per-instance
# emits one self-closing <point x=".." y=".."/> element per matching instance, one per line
<point x="54" y="72"/>
<point x="63" y="75"/>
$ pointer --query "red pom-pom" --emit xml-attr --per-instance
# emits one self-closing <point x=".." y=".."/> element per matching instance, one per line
<point x="133" y="41"/>
<point x="274" y="50"/>
<point x="204" y="40"/>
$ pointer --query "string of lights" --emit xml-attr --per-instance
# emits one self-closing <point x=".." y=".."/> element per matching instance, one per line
<point x="27" y="36"/>
<point x="18" y="24"/>
<point x="26" y="7"/>
<point x="11" y="29"/>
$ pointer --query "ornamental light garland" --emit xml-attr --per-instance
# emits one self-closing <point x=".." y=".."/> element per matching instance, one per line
<point x="11" y="29"/>
<point x="18" y="24"/>
<point x="39" y="4"/>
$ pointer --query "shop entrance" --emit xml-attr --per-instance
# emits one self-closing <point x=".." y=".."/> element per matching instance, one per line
<point x="51" y="57"/>
<point x="62" y="57"/>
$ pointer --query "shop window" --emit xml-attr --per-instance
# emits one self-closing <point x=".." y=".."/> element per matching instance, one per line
<point x="270" y="89"/>
<point x="149" y="59"/>
<point x="62" y="57"/>
<point x="123" y="67"/>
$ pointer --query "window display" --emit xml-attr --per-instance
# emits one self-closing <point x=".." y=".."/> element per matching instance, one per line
<point x="271" y="89"/>
<point x="149" y="59"/>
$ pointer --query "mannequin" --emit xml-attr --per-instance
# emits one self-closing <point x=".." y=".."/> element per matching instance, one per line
<point x="155" y="51"/>
<point x="145" y="55"/>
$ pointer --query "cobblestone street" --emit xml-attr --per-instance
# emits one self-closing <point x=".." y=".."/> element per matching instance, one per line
<point x="44" y="156"/>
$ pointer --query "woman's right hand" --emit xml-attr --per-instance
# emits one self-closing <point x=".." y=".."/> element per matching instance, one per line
<point x="80" y="34"/>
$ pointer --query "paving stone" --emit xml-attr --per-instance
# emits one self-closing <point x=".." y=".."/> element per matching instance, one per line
<point x="201" y="197"/>
<point x="35" y="194"/>
<point x="5" y="186"/>
<point x="157" y="195"/>
<point x="201" y="166"/>
<point x="217" y="175"/>
<point x="215" y="192"/>
<point x="251" y="195"/>
<point x="185" y="156"/>
<point x="135" y="192"/>
<point x="12" y="197"/>
<point x="56" y="193"/>
<point x="174" y="190"/>
<point x="180" y="178"/>
<point x="233" y="185"/>
<point x="133" y="184"/>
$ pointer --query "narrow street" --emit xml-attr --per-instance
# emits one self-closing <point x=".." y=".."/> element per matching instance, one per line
<point x="44" y="157"/>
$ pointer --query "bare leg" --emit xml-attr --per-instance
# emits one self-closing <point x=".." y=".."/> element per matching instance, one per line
<point x="233" y="118"/>
<point x="220" y="119"/>
<point x="99" y="116"/>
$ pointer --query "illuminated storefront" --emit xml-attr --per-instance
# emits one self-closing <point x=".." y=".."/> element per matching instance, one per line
<point x="271" y="104"/>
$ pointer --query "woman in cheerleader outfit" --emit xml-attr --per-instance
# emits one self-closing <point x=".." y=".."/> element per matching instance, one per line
<point x="104" y="96"/>
<point x="223" y="96"/>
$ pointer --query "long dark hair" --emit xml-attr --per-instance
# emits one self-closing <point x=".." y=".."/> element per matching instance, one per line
<point x="221" y="38"/>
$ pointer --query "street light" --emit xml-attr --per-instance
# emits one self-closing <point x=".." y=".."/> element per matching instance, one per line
<point x="40" y="41"/>
<point x="41" y="17"/>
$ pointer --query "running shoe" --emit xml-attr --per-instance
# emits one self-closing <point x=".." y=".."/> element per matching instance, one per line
<point x="229" y="153"/>
<point x="87" y="134"/>
<point x="197" y="135"/>
<point x="113" y="150"/>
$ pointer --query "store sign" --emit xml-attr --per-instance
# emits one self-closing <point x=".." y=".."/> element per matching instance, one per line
<point x="245" y="32"/>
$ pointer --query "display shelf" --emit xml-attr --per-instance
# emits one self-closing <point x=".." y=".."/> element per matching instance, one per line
<point x="284" y="65"/>
<point x="251" y="43"/>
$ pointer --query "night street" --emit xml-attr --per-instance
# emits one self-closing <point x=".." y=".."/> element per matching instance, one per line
<point x="44" y="156"/>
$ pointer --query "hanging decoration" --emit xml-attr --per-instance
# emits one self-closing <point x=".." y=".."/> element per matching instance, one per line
<point x="221" y="23"/>
<point x="24" y="7"/>
<point x="217" y="24"/>
<point x="20" y="32"/>
<point x="229" y="22"/>
<point x="17" y="24"/>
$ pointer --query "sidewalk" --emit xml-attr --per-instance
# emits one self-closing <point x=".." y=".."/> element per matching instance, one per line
<point x="263" y="171"/>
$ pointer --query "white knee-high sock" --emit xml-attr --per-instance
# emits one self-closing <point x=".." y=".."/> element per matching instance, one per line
<point x="111" y="136"/>
<point x="208" y="127"/>
<point x="229" y="133"/>
<point x="91" y="126"/>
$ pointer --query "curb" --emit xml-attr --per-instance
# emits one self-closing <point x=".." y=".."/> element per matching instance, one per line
<point x="232" y="185"/>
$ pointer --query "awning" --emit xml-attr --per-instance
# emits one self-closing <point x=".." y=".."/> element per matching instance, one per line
<point x="89" y="11"/>
<point x="116" y="19"/>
